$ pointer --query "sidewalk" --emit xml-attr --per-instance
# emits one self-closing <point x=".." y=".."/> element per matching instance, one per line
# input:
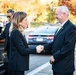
<point x="45" y="71"/>
<point x="48" y="70"/>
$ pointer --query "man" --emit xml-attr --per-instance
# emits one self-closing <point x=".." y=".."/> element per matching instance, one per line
<point x="5" y="35"/>
<point x="10" y="13"/>
<point x="63" y="46"/>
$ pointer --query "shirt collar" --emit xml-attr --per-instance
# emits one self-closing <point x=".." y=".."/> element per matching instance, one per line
<point x="64" y="22"/>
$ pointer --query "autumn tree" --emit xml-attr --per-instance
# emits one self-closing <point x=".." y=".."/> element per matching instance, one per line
<point x="37" y="10"/>
<point x="71" y="4"/>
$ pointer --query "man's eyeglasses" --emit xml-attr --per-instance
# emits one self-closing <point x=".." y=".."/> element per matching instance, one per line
<point x="8" y="16"/>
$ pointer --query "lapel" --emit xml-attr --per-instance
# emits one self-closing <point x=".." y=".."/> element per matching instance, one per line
<point x="8" y="26"/>
<point x="24" y="40"/>
<point x="63" y="27"/>
<point x="7" y="31"/>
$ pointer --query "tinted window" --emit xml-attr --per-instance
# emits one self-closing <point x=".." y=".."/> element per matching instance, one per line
<point x="46" y="30"/>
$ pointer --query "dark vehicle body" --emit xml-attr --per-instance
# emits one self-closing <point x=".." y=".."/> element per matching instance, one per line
<point x="2" y="66"/>
<point x="42" y="35"/>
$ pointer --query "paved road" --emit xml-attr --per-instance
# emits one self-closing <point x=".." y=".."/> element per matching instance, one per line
<point x="45" y="69"/>
<point x="37" y="60"/>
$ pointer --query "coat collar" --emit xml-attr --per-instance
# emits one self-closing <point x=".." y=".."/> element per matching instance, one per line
<point x="63" y="27"/>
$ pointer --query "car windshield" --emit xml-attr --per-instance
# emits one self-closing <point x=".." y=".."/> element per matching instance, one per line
<point x="45" y="30"/>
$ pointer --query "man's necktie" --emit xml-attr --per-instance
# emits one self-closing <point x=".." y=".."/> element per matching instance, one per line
<point x="58" y="29"/>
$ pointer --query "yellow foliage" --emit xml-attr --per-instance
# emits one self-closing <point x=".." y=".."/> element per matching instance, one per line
<point x="71" y="4"/>
<point x="32" y="7"/>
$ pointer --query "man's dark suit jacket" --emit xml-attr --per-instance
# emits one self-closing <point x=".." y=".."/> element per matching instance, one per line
<point x="5" y="35"/>
<point x="63" y="48"/>
<point x="19" y="52"/>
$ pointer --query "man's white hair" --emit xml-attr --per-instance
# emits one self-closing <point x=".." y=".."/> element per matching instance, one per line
<point x="63" y="9"/>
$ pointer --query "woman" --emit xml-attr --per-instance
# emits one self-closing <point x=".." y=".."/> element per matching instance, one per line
<point x="19" y="51"/>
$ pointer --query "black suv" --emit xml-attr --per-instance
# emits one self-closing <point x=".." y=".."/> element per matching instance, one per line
<point x="2" y="66"/>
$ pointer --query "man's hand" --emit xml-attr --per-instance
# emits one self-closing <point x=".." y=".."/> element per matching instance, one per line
<point x="52" y="60"/>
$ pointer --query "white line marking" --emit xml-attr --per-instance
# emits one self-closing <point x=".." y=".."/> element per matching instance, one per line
<point x="38" y="69"/>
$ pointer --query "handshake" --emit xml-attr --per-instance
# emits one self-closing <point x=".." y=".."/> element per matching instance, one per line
<point x="39" y="48"/>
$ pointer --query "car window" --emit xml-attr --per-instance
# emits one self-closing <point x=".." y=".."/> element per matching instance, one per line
<point x="45" y="30"/>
